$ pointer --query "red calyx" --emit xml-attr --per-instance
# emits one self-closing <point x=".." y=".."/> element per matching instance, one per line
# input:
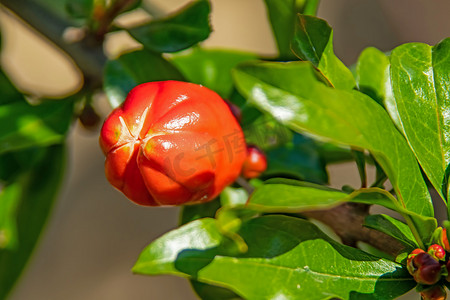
<point x="172" y="143"/>
<point x="255" y="163"/>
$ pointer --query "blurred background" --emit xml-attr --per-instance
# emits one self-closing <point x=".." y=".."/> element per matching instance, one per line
<point x="94" y="234"/>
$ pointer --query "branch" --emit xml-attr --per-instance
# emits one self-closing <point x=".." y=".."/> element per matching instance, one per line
<point x="111" y="13"/>
<point x="347" y="219"/>
<point x="87" y="54"/>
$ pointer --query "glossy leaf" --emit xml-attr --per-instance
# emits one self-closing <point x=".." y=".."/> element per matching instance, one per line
<point x="291" y="196"/>
<point x="393" y="227"/>
<point x="182" y="30"/>
<point x="131" y="69"/>
<point x="313" y="41"/>
<point x="23" y="125"/>
<point x="421" y="101"/>
<point x="285" y="195"/>
<point x="38" y="187"/>
<point x="211" y="67"/>
<point x="197" y="211"/>
<point x="344" y="117"/>
<point x="287" y="258"/>
<point x="372" y="74"/>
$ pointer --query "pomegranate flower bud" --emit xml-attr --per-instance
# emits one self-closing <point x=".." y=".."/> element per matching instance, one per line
<point x="437" y="251"/>
<point x="435" y="292"/>
<point x="425" y="269"/>
<point x="255" y="163"/>
<point x="172" y="143"/>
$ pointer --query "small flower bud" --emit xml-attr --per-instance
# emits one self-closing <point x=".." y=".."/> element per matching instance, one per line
<point x="426" y="269"/>
<point x="255" y="163"/>
<point x="436" y="292"/>
<point x="409" y="263"/>
<point x="437" y="251"/>
<point x="440" y="237"/>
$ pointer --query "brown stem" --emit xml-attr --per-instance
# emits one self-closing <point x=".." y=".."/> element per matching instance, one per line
<point x="347" y="219"/>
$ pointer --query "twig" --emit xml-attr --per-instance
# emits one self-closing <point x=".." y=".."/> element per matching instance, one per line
<point x="110" y="14"/>
<point x="347" y="219"/>
<point x="87" y="54"/>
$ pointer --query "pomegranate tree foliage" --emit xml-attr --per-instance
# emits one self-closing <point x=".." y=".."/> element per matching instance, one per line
<point x="305" y="108"/>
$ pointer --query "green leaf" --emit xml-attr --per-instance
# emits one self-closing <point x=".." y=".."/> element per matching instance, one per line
<point x="124" y="73"/>
<point x="344" y="117"/>
<point x="211" y="292"/>
<point x="9" y="92"/>
<point x="233" y="196"/>
<point x="197" y="211"/>
<point x="211" y="67"/>
<point x="23" y="125"/>
<point x="79" y="8"/>
<point x="182" y="30"/>
<point x="37" y="189"/>
<point x="298" y="158"/>
<point x="372" y="74"/>
<point x="285" y="195"/>
<point x="332" y="153"/>
<point x="287" y="258"/>
<point x="420" y="84"/>
<point x="282" y="15"/>
<point x="9" y="195"/>
<point x="313" y="41"/>
<point x="266" y="132"/>
<point x="393" y="227"/>
<point x="290" y="196"/>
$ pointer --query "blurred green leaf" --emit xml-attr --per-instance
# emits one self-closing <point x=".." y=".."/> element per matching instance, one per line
<point x="80" y="8"/>
<point x="372" y="74"/>
<point x="36" y="190"/>
<point x="313" y="41"/>
<point x="211" y="67"/>
<point x="233" y="196"/>
<point x="9" y="92"/>
<point x="287" y="258"/>
<point x="179" y="31"/>
<point x="344" y="117"/>
<point x="131" y="69"/>
<point x="266" y="132"/>
<point x="9" y="195"/>
<point x="23" y="125"/>
<point x="394" y="228"/>
<point x="420" y="104"/>
<point x="282" y="14"/>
